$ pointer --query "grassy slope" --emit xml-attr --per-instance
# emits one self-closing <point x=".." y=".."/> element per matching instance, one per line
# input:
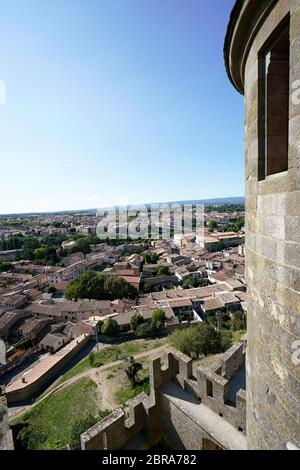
<point x="54" y="416"/>
<point x="111" y="354"/>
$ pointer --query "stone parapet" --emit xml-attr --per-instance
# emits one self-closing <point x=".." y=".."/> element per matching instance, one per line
<point x="117" y="431"/>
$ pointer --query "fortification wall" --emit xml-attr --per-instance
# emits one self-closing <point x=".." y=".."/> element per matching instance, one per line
<point x="34" y="381"/>
<point x="6" y="439"/>
<point x="273" y="259"/>
<point x="160" y="417"/>
<point x="180" y="432"/>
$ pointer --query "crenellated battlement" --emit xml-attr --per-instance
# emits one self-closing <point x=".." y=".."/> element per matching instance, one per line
<point x="216" y="388"/>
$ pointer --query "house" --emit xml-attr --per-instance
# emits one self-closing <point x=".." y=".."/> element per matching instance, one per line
<point x="12" y="302"/>
<point x="74" y="270"/>
<point x="211" y="306"/>
<point x="53" y="341"/>
<point x="9" y="319"/>
<point x="72" y="259"/>
<point x="124" y="319"/>
<point x="34" y="329"/>
<point x="77" y="310"/>
<point x="33" y="294"/>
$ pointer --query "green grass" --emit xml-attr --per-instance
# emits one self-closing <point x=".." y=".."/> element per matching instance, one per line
<point x="49" y="423"/>
<point x="130" y="392"/>
<point x="111" y="354"/>
<point x="237" y="335"/>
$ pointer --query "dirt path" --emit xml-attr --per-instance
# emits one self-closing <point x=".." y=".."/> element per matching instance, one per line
<point x="95" y="374"/>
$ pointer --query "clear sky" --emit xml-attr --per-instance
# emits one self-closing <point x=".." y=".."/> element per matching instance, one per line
<point x="116" y="101"/>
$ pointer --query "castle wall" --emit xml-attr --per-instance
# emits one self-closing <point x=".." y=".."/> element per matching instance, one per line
<point x="273" y="260"/>
<point x="44" y="371"/>
<point x="6" y="438"/>
<point x="179" y="430"/>
<point x="178" y="410"/>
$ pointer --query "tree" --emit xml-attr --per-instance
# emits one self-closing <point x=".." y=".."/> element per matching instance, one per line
<point x="132" y="371"/>
<point x="159" y="318"/>
<point x="199" y="340"/>
<point x="151" y="328"/>
<point x="110" y="328"/>
<point x="212" y="225"/>
<point x="5" y="266"/>
<point x="208" y="339"/>
<point x="162" y="271"/>
<point x="151" y="258"/>
<point x="51" y="290"/>
<point x="238" y="321"/>
<point x="136" y="320"/>
<point x="226" y="339"/>
<point x="146" y="330"/>
<point x="99" y="286"/>
<point x="195" y="281"/>
<point x="181" y="340"/>
<point x="83" y="245"/>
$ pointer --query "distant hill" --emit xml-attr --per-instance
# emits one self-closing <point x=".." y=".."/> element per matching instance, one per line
<point x="206" y="202"/>
<point x="214" y="202"/>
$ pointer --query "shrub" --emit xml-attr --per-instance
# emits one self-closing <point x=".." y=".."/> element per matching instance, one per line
<point x="110" y="328"/>
<point x="135" y="321"/>
<point x="158" y="318"/>
<point x="132" y="371"/>
<point x="199" y="340"/>
<point x="146" y="330"/>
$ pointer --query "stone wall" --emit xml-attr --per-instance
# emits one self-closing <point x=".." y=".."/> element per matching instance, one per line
<point x="6" y="439"/>
<point x="162" y="416"/>
<point x="273" y="260"/>
<point x="179" y="431"/>
<point x="43" y="372"/>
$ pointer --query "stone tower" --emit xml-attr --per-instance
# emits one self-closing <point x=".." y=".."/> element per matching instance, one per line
<point x="262" y="56"/>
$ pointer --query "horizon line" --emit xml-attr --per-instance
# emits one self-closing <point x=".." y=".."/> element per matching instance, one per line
<point x="204" y="201"/>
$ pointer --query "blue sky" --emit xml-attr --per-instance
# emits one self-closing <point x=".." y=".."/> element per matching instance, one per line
<point x="116" y="101"/>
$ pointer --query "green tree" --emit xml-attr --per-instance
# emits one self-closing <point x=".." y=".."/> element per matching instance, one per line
<point x="5" y="266"/>
<point x="212" y="225"/>
<point x="146" y="330"/>
<point x="150" y="258"/>
<point x="132" y="371"/>
<point x="162" y="271"/>
<point x="83" y="245"/>
<point x="99" y="286"/>
<point x="238" y="320"/>
<point x="208" y="339"/>
<point x="110" y="328"/>
<point x="181" y="340"/>
<point x="51" y="290"/>
<point x="199" y="340"/>
<point x="195" y="281"/>
<point x="159" y="318"/>
<point x="226" y="339"/>
<point x="136" y="320"/>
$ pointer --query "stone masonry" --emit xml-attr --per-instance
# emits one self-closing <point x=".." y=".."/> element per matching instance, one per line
<point x="185" y="411"/>
<point x="272" y="224"/>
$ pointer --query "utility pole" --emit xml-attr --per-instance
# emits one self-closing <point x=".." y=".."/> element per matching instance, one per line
<point x="97" y="338"/>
